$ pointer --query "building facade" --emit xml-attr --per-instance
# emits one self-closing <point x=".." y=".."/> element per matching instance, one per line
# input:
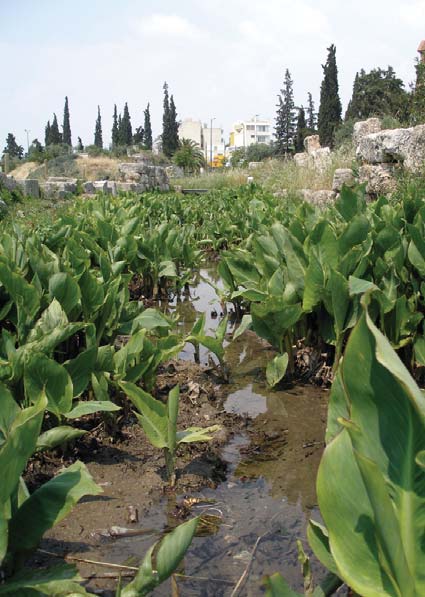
<point x="248" y="132"/>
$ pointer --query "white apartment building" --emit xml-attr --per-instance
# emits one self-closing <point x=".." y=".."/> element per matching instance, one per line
<point x="248" y="132"/>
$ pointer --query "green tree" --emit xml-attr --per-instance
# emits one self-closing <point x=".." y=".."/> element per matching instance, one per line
<point x="12" y="148"/>
<point x="285" y="117"/>
<point x="189" y="156"/>
<point x="66" y="127"/>
<point x="174" y="127"/>
<point x="115" y="129"/>
<point x="377" y="93"/>
<point x="47" y="134"/>
<point x="148" y="128"/>
<point x="417" y="108"/>
<point x="311" y="116"/>
<point x="330" y="105"/>
<point x="302" y="130"/>
<point x="80" y="145"/>
<point x="55" y="136"/>
<point x="98" y="137"/>
<point x="36" y="151"/>
<point x="126" y="132"/>
<point x="138" y="136"/>
<point x="166" y="130"/>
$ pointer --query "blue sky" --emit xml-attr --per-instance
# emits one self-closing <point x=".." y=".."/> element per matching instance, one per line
<point x="224" y="59"/>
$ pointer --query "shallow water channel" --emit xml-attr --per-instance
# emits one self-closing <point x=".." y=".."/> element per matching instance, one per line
<point x="270" y="486"/>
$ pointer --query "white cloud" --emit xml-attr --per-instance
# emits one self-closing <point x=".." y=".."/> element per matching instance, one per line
<point x="413" y="14"/>
<point x="170" y="25"/>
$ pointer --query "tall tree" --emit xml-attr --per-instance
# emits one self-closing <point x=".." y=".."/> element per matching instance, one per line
<point x="66" y="127"/>
<point x="98" y="137"/>
<point x="377" y="93"/>
<point x="12" y="148"/>
<point x="115" y="130"/>
<point x="126" y="132"/>
<point x="80" y="145"/>
<point x="311" y="115"/>
<point x="174" y="127"/>
<point x="166" y="132"/>
<point x="285" y="117"/>
<point x="302" y="130"/>
<point x="47" y="134"/>
<point x="330" y="105"/>
<point x="148" y="128"/>
<point x="55" y="135"/>
<point x="417" y="109"/>
<point x="138" y="136"/>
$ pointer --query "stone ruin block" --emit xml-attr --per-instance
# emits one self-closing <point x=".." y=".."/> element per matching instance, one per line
<point x="311" y="143"/>
<point x="365" y="127"/>
<point x="343" y="176"/>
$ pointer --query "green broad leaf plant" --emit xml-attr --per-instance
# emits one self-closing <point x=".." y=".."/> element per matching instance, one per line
<point x="371" y="479"/>
<point x="159" y="422"/>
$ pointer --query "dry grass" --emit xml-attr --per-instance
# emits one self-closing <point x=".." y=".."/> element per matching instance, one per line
<point x="24" y="170"/>
<point x="274" y="175"/>
<point x="98" y="168"/>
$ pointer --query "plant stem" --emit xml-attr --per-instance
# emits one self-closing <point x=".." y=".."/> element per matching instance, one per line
<point x="169" y="464"/>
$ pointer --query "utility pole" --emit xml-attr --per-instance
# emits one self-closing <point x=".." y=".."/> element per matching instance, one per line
<point x="28" y="140"/>
<point x="211" y="121"/>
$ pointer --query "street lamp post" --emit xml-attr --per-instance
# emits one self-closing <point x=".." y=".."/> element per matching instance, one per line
<point x="211" y="121"/>
<point x="28" y="140"/>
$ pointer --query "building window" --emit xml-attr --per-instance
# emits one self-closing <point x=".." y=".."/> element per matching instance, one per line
<point x="262" y="139"/>
<point x="250" y="127"/>
<point x="262" y="128"/>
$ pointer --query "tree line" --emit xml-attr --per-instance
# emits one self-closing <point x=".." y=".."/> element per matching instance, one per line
<point x="123" y="135"/>
<point x="377" y="93"/>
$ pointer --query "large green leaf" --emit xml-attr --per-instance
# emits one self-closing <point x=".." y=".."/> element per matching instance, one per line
<point x="65" y="289"/>
<point x="58" y="436"/>
<point x="58" y="581"/>
<point x="153" y="414"/>
<point x="161" y="560"/>
<point x="276" y="369"/>
<point x="376" y="516"/>
<point x="89" y="407"/>
<point x="48" y="505"/>
<point x="42" y="373"/>
<point x="24" y="294"/>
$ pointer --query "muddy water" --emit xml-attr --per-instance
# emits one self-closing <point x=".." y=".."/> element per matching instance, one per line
<point x="270" y="487"/>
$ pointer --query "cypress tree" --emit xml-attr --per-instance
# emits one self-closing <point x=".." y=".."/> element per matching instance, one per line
<point x="311" y="115"/>
<point x="98" y="138"/>
<point x="330" y="104"/>
<point x="55" y="136"/>
<point x="115" y="130"/>
<point x="174" y="127"/>
<point x="80" y="145"/>
<point x="166" y="133"/>
<point x="148" y="128"/>
<point x="66" y="134"/>
<point x="47" y="134"/>
<point x="417" y="113"/>
<point x="120" y="131"/>
<point x="285" y="117"/>
<point x="127" y="132"/>
<point x="301" y="130"/>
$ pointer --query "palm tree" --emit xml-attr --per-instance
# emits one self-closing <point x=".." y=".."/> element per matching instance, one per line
<point x="189" y="156"/>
